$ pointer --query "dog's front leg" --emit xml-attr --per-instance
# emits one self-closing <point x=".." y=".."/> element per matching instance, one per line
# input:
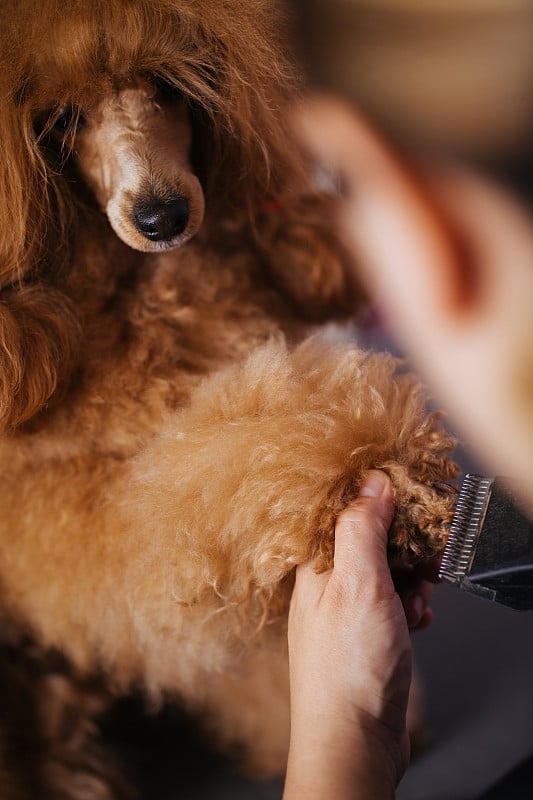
<point x="247" y="483"/>
<point x="255" y="471"/>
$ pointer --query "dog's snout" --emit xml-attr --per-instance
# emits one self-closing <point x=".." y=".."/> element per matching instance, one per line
<point x="162" y="220"/>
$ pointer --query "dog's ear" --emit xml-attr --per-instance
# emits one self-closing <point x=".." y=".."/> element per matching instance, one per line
<point x="38" y="327"/>
<point x="21" y="204"/>
<point x="39" y="345"/>
<point x="300" y="242"/>
<point x="34" y="211"/>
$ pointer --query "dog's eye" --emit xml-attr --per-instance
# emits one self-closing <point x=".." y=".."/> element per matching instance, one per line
<point x="69" y="120"/>
<point x="166" y="90"/>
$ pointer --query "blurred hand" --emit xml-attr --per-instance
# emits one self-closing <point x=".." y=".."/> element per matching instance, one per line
<point x="448" y="256"/>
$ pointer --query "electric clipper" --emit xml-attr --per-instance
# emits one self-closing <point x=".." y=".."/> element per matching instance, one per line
<point x="489" y="551"/>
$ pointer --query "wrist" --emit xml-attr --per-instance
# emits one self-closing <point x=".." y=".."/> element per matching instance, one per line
<point x="343" y="761"/>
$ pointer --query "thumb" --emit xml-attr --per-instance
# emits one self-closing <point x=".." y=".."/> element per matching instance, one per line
<point x="362" y="528"/>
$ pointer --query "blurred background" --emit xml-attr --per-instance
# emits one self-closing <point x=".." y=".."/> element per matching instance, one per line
<point x="455" y="75"/>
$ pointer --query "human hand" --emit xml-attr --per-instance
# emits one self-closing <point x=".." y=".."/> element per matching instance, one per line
<point x="350" y="659"/>
<point x="448" y="257"/>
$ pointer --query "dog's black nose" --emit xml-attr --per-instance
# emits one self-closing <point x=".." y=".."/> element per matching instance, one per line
<point x="161" y="220"/>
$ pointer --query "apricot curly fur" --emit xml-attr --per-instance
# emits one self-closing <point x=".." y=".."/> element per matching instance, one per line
<point x="174" y="440"/>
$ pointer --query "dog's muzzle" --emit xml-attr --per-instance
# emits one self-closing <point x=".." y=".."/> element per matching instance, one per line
<point x="162" y="220"/>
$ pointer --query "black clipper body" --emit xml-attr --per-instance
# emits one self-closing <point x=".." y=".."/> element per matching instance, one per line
<point x="489" y="551"/>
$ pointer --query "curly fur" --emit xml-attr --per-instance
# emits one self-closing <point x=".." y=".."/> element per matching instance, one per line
<point x="173" y="441"/>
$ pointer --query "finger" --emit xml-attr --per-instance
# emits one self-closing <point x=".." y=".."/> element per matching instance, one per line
<point x="415" y="594"/>
<point x="425" y="621"/>
<point x="361" y="530"/>
<point x="416" y="604"/>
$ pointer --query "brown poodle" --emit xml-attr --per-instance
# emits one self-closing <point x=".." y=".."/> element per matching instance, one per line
<point x="174" y="442"/>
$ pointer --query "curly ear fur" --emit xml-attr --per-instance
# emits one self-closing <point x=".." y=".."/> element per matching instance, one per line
<point x="39" y="339"/>
<point x="39" y="330"/>
<point x="321" y="281"/>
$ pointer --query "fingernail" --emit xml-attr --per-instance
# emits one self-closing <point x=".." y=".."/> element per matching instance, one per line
<point x="374" y="484"/>
<point x="416" y="609"/>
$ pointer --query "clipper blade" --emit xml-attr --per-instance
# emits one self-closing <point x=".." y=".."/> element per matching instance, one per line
<point x="489" y="551"/>
<point x="465" y="527"/>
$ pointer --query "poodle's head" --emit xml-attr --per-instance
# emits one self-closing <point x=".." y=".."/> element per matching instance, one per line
<point x="114" y="87"/>
<point x="164" y="114"/>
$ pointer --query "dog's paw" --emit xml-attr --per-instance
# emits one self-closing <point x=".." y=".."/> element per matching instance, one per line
<point x="422" y="474"/>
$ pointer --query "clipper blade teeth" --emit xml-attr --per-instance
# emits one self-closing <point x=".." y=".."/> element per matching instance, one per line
<point x="465" y="527"/>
